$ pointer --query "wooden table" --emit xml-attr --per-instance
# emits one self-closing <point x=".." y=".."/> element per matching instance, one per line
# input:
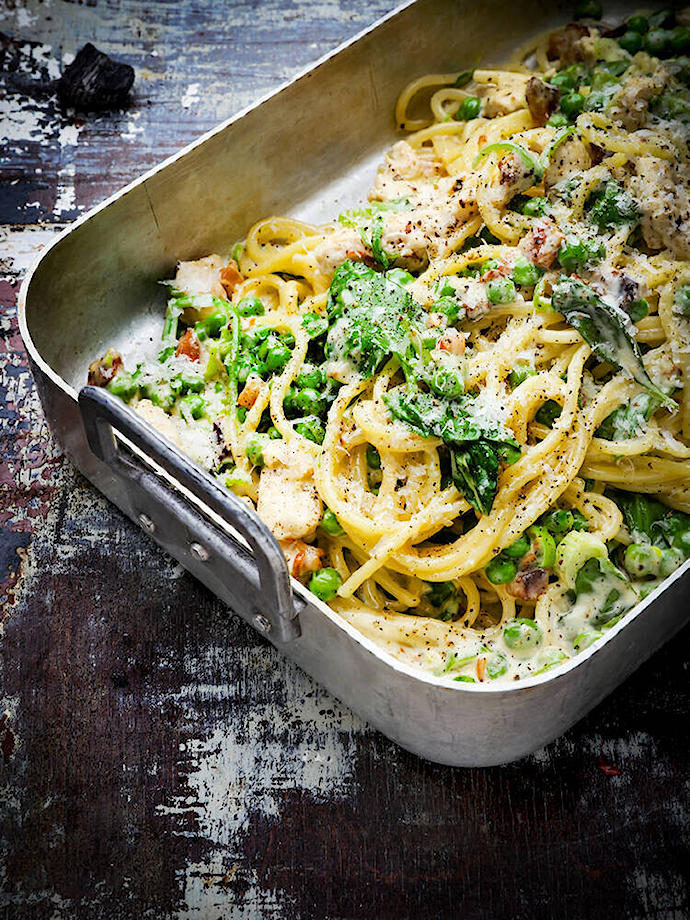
<point x="157" y="757"/>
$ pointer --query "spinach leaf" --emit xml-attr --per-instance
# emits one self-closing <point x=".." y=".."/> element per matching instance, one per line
<point x="613" y="207"/>
<point x="373" y="318"/>
<point x="477" y="443"/>
<point x="315" y="324"/>
<point x="606" y="329"/>
<point x="628" y="421"/>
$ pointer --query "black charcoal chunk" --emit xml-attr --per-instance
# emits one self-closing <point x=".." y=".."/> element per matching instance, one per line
<point x="95" y="81"/>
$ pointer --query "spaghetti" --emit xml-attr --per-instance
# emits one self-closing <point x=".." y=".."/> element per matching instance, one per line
<point x="464" y="407"/>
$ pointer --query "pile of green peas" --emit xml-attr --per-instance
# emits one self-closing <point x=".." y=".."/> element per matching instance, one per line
<point x="658" y="35"/>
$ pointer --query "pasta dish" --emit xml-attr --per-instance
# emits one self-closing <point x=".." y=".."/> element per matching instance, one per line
<point x="463" y="408"/>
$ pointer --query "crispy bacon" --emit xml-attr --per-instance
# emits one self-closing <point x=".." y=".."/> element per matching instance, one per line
<point x="529" y="585"/>
<point x="302" y="558"/>
<point x="231" y="276"/>
<point x="542" y="99"/>
<point x="189" y="346"/>
<point x="251" y="390"/>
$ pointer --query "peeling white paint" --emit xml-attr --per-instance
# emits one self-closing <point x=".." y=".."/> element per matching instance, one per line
<point x="190" y="96"/>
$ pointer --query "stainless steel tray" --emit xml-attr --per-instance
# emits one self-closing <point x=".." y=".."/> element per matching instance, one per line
<point x="309" y="150"/>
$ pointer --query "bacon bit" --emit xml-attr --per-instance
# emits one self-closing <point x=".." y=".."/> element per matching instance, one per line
<point x="542" y="99"/>
<point x="481" y="668"/>
<point x="231" y="276"/>
<point x="529" y="585"/>
<point x="355" y="253"/>
<point x="494" y="273"/>
<point x="251" y="391"/>
<point x="302" y="558"/>
<point x="543" y="242"/>
<point x="607" y="769"/>
<point x="452" y="341"/>
<point x="566" y="45"/>
<point x="102" y="371"/>
<point x="189" y="346"/>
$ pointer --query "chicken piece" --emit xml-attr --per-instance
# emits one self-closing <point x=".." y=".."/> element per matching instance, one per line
<point x="198" y="441"/>
<point x="529" y="584"/>
<point x="542" y="243"/>
<point x="250" y="391"/>
<point x="514" y="176"/>
<point x="302" y="558"/>
<point x="202" y="276"/>
<point x="568" y="158"/>
<point x="662" y="189"/>
<point x="472" y="294"/>
<point x="542" y="99"/>
<point x="288" y="501"/>
<point x="337" y="247"/>
<point x="161" y="421"/>
<point x="502" y="100"/>
<point x="102" y="371"/>
<point x="402" y="172"/>
<point x="567" y="44"/>
<point x="189" y="346"/>
<point x="630" y="105"/>
<point x="230" y="277"/>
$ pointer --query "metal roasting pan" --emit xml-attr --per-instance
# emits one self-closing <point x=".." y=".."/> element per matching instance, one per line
<point x="309" y="150"/>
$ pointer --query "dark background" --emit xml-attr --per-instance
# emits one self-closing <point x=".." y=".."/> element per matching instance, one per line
<point x="157" y="757"/>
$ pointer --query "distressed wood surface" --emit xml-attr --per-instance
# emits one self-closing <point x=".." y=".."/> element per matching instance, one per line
<point x="158" y="759"/>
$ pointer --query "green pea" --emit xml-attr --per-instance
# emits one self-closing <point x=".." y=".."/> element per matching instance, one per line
<point x="373" y="458"/>
<point x="501" y="290"/>
<point x="214" y="323"/>
<point x="330" y="524"/>
<point x="558" y="522"/>
<point x="557" y="120"/>
<point x="161" y="395"/>
<point x="588" y="9"/>
<point x="638" y="309"/>
<point x="585" y="639"/>
<point x="631" y="42"/>
<point x="489" y="265"/>
<point x="681" y="300"/>
<point x="680" y="39"/>
<point x="563" y="81"/>
<point x="289" y="400"/>
<point x="572" y="104"/>
<point x="520" y="373"/>
<point x="638" y="24"/>
<point x="250" y="306"/>
<point x="312" y="429"/>
<point x="241" y="413"/>
<point x="534" y="207"/>
<point x="255" y="453"/>
<point x="194" y="404"/>
<point x="658" y="42"/>
<point x="518" y="549"/>
<point x="580" y="522"/>
<point x="308" y="400"/>
<point x="277" y="356"/>
<point x="310" y="376"/>
<point x="549" y="658"/>
<point x="496" y="665"/>
<point x="325" y="583"/>
<point x="470" y="108"/>
<point x="671" y="559"/>
<point x="440" y="592"/>
<point x="642" y="559"/>
<point x="287" y="338"/>
<point x="523" y="636"/>
<point x="274" y="434"/>
<point x="400" y="276"/>
<point x="501" y="570"/>
<point x="525" y="272"/>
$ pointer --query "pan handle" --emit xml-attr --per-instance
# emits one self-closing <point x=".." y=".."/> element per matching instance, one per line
<point x="258" y="588"/>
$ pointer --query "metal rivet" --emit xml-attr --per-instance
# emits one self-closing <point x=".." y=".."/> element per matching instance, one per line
<point x="147" y="523"/>
<point x="262" y="623"/>
<point x="199" y="552"/>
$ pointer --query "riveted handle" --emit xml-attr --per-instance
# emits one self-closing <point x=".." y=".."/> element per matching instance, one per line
<point x="258" y="584"/>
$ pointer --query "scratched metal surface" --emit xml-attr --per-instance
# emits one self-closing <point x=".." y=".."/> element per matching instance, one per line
<point x="157" y="758"/>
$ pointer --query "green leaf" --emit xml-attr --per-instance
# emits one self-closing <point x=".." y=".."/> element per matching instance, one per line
<point x="628" y="421"/>
<point x="606" y="329"/>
